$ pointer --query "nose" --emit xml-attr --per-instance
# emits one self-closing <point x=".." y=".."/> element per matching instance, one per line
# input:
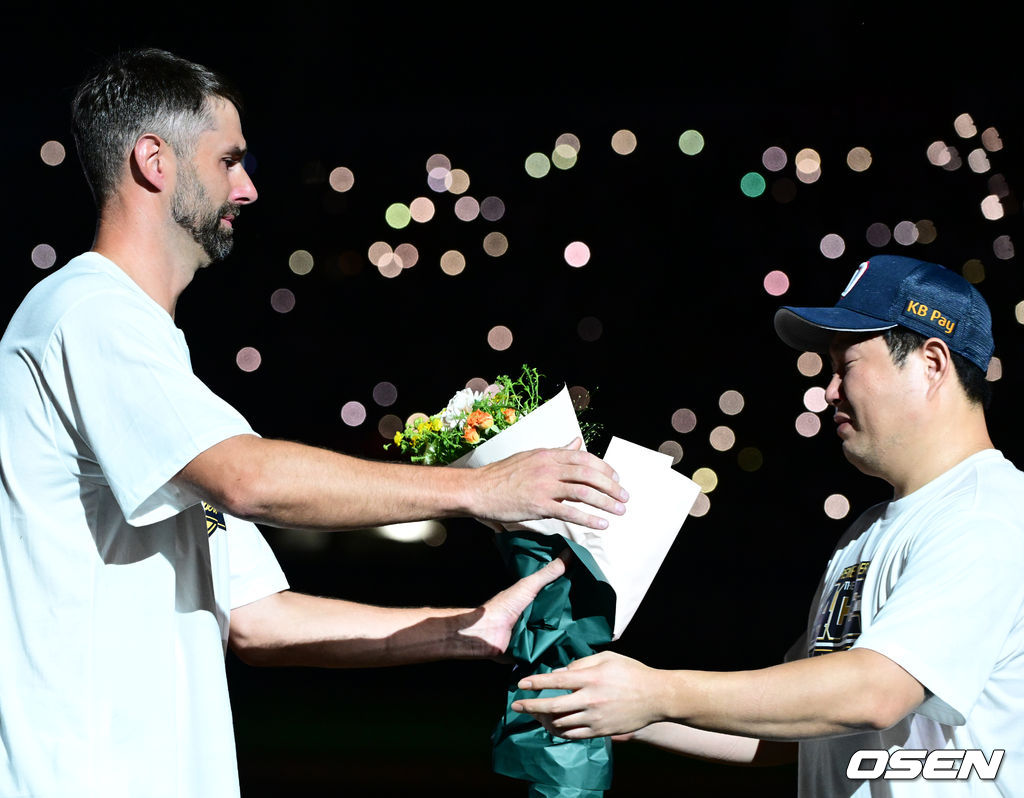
<point x="243" y="190"/>
<point x="833" y="392"/>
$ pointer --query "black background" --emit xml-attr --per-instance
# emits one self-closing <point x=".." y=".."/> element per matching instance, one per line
<point x="678" y="258"/>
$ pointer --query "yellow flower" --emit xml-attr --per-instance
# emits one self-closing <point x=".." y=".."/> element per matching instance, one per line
<point x="436" y="423"/>
<point x="422" y="426"/>
<point x="399" y="436"/>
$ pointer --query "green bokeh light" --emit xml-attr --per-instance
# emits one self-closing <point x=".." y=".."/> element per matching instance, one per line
<point x="537" y="165"/>
<point x="752" y="184"/>
<point x="691" y="142"/>
<point x="398" y="215"/>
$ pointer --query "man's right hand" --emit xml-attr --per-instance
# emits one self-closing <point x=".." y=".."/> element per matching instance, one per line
<point x="545" y="483"/>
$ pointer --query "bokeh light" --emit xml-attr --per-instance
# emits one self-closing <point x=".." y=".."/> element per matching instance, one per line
<point x="731" y="402"/>
<point x="377" y="251"/>
<point x="389" y="265"/>
<point x="341" y="179"/>
<point x="248" y="358"/>
<point x="926" y="231"/>
<point x="752" y="184"/>
<point x="580" y="397"/>
<point x="808" y="165"/>
<point x="564" y="156"/>
<point x="398" y="215"/>
<point x="991" y="207"/>
<point x="974" y="271"/>
<point x="300" y="262"/>
<point x="814" y="399"/>
<point x="537" y="164"/>
<point x="52" y="153"/>
<point x="808" y="424"/>
<point x="701" y="505"/>
<point x="837" y="506"/>
<point x="939" y="154"/>
<point x="1018" y="312"/>
<point x="691" y="142"/>
<point x="977" y="160"/>
<point x="750" y="458"/>
<point x="905" y="233"/>
<point x="991" y="140"/>
<point x="495" y="244"/>
<point x="282" y="300"/>
<point x="499" y="338"/>
<point x="1003" y="247"/>
<point x="624" y="142"/>
<point x="774" y="159"/>
<point x="706" y="479"/>
<point x="859" y="159"/>
<point x="43" y="256"/>
<point x="589" y="328"/>
<point x="722" y="438"/>
<point x="673" y="449"/>
<point x="467" y="209"/>
<point x="995" y="370"/>
<point x="385" y="394"/>
<point x="407" y="255"/>
<point x="809" y="364"/>
<point x="569" y="140"/>
<point x="492" y="209"/>
<point x="458" y="181"/>
<point x="964" y="126"/>
<point x="389" y="425"/>
<point x="685" y="420"/>
<point x="421" y="209"/>
<point x="776" y="283"/>
<point x="453" y="262"/>
<point x="832" y="246"/>
<point x="878" y="234"/>
<point x="353" y="413"/>
<point x="577" y="254"/>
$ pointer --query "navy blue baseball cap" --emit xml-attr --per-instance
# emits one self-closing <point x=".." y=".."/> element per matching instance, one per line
<point x="889" y="291"/>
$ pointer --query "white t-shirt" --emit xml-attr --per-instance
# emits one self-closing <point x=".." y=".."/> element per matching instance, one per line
<point x="935" y="582"/>
<point x="115" y="588"/>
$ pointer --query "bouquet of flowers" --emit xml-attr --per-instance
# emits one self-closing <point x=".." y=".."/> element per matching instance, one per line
<point x="604" y="582"/>
<point x="569" y="619"/>
<point x="470" y="418"/>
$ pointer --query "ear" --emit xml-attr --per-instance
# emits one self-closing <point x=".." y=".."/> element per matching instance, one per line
<point x="150" y="162"/>
<point x="937" y="362"/>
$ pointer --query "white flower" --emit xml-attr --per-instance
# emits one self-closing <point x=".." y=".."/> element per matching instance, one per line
<point x="459" y="406"/>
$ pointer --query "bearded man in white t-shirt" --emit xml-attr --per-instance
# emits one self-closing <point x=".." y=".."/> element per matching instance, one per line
<point x="910" y="678"/>
<point x="128" y="489"/>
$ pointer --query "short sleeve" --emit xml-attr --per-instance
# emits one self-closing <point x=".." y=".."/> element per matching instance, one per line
<point x="952" y="610"/>
<point x="122" y="384"/>
<point x="255" y="571"/>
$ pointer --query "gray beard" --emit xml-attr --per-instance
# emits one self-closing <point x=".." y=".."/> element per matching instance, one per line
<point x="189" y="197"/>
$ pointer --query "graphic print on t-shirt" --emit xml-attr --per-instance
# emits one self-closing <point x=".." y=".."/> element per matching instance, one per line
<point x="838" y="624"/>
<point x="214" y="519"/>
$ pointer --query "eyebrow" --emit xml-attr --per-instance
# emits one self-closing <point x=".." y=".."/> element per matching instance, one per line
<point x="236" y="151"/>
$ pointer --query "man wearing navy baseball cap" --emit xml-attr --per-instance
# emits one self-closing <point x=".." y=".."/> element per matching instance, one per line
<point x="921" y="608"/>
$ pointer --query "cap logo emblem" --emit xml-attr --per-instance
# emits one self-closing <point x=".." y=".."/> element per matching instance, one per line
<point x="855" y="279"/>
<point x="934" y="317"/>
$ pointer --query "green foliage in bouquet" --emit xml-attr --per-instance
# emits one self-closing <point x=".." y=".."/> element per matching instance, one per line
<point x="471" y="418"/>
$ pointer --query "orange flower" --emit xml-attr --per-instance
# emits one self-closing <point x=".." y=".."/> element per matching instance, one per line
<point x="480" y="418"/>
<point x="510" y="414"/>
<point x="470" y="434"/>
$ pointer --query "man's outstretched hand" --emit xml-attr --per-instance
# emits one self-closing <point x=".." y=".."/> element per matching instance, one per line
<point x="547" y="483"/>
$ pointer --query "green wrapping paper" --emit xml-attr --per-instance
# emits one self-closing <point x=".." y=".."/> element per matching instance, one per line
<point x="571" y="618"/>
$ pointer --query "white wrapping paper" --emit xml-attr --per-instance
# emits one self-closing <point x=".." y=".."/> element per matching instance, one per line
<point x="633" y="546"/>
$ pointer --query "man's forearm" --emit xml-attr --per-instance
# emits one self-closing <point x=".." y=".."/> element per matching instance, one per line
<point x="281" y="483"/>
<point x="715" y="746"/>
<point x="295" y="629"/>
<point x="797" y="700"/>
